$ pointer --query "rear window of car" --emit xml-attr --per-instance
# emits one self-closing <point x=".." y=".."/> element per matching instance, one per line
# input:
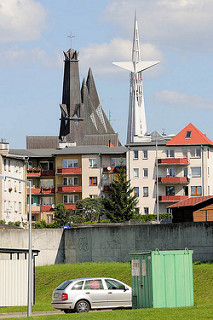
<point x="64" y="285"/>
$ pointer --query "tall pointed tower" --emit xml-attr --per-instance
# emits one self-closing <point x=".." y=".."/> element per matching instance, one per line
<point x="137" y="128"/>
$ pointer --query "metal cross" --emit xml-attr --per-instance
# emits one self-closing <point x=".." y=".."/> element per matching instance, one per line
<point x="71" y="36"/>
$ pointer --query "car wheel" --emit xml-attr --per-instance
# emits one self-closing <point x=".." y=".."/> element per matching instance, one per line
<point x="82" y="306"/>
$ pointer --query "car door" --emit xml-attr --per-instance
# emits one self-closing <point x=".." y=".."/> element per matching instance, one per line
<point x="119" y="295"/>
<point x="96" y="293"/>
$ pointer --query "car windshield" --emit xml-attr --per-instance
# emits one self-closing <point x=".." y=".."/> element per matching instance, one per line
<point x="64" y="285"/>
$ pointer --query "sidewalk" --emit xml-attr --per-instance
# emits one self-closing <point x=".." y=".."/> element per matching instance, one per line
<point x="24" y="314"/>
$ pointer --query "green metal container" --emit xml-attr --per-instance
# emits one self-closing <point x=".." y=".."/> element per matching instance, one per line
<point x="162" y="279"/>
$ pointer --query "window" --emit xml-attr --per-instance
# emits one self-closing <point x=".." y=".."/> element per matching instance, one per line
<point x="145" y="172"/>
<point x="20" y="207"/>
<point x="185" y="172"/>
<point x="208" y="171"/>
<point x="146" y="210"/>
<point x="170" y="191"/>
<point x="188" y="134"/>
<point x="70" y="181"/>
<point x="136" y="191"/>
<point x="70" y="163"/>
<point x="15" y="207"/>
<point x="145" y="154"/>
<point x="116" y="162"/>
<point x="209" y="190"/>
<point x="70" y="198"/>
<point x="78" y="285"/>
<point x="93" y="163"/>
<point x="114" y="285"/>
<point x="46" y="183"/>
<point x="145" y="191"/>
<point x="170" y="172"/>
<point x="170" y="153"/>
<point x="93" y="196"/>
<point x="185" y="153"/>
<point x="49" y="218"/>
<point x="19" y="187"/>
<point x="5" y="164"/>
<point x="93" y="181"/>
<point x="136" y="154"/>
<point x="136" y="173"/>
<point x="93" y="284"/>
<point x="5" y="206"/>
<point x="30" y="165"/>
<point x="196" y="153"/>
<point x="196" y="191"/>
<point x="196" y="171"/>
<point x="47" y="201"/>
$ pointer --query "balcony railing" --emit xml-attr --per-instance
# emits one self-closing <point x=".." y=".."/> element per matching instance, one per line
<point x="42" y="190"/>
<point x="173" y="161"/>
<point x="110" y="169"/>
<point x="172" y="198"/>
<point x="173" y="180"/>
<point x="69" y="189"/>
<point x="37" y="172"/>
<point x="69" y="170"/>
<point x="38" y="208"/>
<point x="70" y="206"/>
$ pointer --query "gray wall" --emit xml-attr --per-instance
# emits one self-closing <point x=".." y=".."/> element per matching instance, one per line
<point x="111" y="242"/>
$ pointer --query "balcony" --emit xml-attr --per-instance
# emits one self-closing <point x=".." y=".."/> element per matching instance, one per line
<point x="111" y="169"/>
<point x="172" y="198"/>
<point x="47" y="208"/>
<point x="69" y="189"/>
<point x="70" y="206"/>
<point x="42" y="190"/>
<point x="37" y="172"/>
<point x="69" y="171"/>
<point x="173" y="161"/>
<point x="173" y="180"/>
<point x="34" y="209"/>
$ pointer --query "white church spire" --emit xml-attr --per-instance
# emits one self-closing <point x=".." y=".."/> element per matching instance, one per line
<point x="137" y="119"/>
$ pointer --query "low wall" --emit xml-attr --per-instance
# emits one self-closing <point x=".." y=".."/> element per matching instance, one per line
<point x="111" y="242"/>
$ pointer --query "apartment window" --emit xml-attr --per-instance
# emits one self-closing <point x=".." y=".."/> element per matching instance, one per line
<point x="5" y="164"/>
<point x="196" y="153"/>
<point x="185" y="153"/>
<point x="47" y="201"/>
<point x="170" y="191"/>
<point x="196" y="191"/>
<point x="70" y="198"/>
<point x="196" y="171"/>
<point x="49" y="218"/>
<point x="46" y="183"/>
<point x="93" y="196"/>
<point x="93" y="163"/>
<point x="185" y="172"/>
<point x="20" y="207"/>
<point x="9" y="165"/>
<point x="93" y="181"/>
<point x="145" y="191"/>
<point x="70" y="181"/>
<point x="19" y="187"/>
<point x="170" y="172"/>
<point x="145" y="154"/>
<point x="5" y="206"/>
<point x="46" y="165"/>
<point x="15" y="207"/>
<point x="208" y="171"/>
<point x="209" y="190"/>
<point x="145" y="172"/>
<point x="146" y="210"/>
<point x="70" y="163"/>
<point x="170" y="153"/>
<point x="116" y="162"/>
<point x="136" y="191"/>
<point x="136" y="173"/>
<point x="5" y="185"/>
<point x="208" y="153"/>
<point x="30" y="165"/>
<point x="135" y="154"/>
<point x="188" y="134"/>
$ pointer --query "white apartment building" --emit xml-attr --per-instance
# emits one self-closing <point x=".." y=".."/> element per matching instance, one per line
<point x="12" y="191"/>
<point x="166" y="170"/>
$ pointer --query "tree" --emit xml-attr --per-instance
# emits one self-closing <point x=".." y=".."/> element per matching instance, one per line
<point x="121" y="203"/>
<point x="62" y="216"/>
<point x="90" y="209"/>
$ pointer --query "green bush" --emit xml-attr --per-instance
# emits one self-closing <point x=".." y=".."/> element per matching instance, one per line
<point x="152" y="217"/>
<point x="2" y="222"/>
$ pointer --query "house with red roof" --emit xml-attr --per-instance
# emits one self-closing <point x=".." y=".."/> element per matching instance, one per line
<point x="194" y="209"/>
<point x="167" y="169"/>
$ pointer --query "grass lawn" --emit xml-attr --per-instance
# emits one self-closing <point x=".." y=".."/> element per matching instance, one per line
<point x="49" y="277"/>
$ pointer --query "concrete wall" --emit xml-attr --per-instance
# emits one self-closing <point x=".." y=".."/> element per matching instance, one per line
<point x="111" y="242"/>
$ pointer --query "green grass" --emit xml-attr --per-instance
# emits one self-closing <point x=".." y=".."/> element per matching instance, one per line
<point x="49" y="277"/>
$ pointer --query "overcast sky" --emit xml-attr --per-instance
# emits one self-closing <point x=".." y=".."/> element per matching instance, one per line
<point x="34" y="34"/>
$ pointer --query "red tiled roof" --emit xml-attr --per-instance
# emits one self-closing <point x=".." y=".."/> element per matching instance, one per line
<point x="196" y="138"/>
<point x="190" y="202"/>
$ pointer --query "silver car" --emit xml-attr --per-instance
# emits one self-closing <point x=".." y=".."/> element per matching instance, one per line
<point x="81" y="295"/>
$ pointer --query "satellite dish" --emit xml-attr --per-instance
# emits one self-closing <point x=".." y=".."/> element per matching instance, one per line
<point x="108" y="168"/>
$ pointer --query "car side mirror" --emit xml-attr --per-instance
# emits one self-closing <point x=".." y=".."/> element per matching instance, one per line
<point x="125" y="288"/>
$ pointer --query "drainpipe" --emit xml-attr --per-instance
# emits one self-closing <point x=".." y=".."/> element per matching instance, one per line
<point x="202" y="164"/>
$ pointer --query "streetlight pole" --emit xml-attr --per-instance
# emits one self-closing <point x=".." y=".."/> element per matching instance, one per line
<point x="30" y="265"/>
<point x="157" y="196"/>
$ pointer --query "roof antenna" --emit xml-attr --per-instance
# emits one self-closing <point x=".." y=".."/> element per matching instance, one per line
<point x="109" y="131"/>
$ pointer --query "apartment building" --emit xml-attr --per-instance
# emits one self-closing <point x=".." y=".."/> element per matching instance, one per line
<point x="69" y="174"/>
<point x="165" y="170"/>
<point x="12" y="190"/>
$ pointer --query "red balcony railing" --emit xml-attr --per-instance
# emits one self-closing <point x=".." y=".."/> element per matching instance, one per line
<point x="70" y="206"/>
<point x="172" y="198"/>
<point x="69" y="188"/>
<point x="173" y="180"/>
<point x="47" y="208"/>
<point x="37" y="172"/>
<point x="48" y="172"/>
<point x="42" y="190"/>
<point x="173" y="161"/>
<point x="111" y="169"/>
<point x="69" y="170"/>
